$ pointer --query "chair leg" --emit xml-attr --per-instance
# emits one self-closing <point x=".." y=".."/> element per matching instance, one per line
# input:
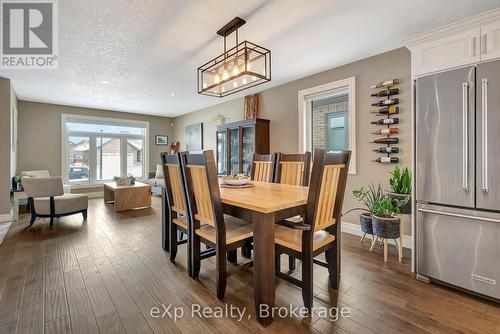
<point x="277" y="262"/>
<point x="307" y="282"/>
<point x="374" y="242"/>
<point x="51" y="222"/>
<point x="291" y="263"/>
<point x="232" y="256"/>
<point x="84" y="214"/>
<point x="172" y="247"/>
<point x="332" y="259"/>
<point x="221" y="268"/>
<point x="385" y="250"/>
<point x="33" y="217"/>
<point x="196" y="255"/>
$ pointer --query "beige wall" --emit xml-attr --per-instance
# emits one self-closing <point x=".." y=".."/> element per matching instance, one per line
<point x="279" y="104"/>
<point x="39" y="140"/>
<point x="7" y="102"/>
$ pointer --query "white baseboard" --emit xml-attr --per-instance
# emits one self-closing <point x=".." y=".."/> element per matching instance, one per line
<point x="355" y="229"/>
<point x="5" y="218"/>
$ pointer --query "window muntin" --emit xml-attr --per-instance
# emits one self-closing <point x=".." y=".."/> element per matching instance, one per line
<point x="96" y="149"/>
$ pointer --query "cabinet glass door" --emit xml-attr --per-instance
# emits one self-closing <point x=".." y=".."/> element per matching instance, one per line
<point x="221" y="152"/>
<point x="234" y="140"/>
<point x="248" y="147"/>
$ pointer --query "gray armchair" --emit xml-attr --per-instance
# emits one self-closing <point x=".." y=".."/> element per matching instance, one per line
<point x="46" y="199"/>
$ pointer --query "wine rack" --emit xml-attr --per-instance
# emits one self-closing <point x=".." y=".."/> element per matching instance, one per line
<point x="387" y="109"/>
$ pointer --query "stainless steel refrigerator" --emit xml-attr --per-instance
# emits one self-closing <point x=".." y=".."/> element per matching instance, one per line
<point x="458" y="178"/>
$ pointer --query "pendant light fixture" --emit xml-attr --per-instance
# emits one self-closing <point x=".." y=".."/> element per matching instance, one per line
<point x="243" y="66"/>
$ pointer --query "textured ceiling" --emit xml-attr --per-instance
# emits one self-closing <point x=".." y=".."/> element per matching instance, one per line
<point x="148" y="51"/>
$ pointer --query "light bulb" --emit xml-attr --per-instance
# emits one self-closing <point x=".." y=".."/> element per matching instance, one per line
<point x="235" y="84"/>
<point x="236" y="71"/>
<point x="204" y="85"/>
<point x="248" y="65"/>
<point x="244" y="81"/>
<point x="217" y="78"/>
<point x="254" y="78"/>
<point x="264" y="72"/>
<point x="225" y="75"/>
<point x="222" y="89"/>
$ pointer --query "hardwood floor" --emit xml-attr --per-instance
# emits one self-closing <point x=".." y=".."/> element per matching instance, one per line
<point x="105" y="275"/>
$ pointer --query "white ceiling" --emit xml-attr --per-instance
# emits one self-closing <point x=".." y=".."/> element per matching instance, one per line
<point x="150" y="50"/>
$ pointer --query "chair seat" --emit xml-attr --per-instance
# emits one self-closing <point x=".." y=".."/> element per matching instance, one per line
<point x="290" y="238"/>
<point x="63" y="204"/>
<point x="181" y="222"/>
<point x="236" y="230"/>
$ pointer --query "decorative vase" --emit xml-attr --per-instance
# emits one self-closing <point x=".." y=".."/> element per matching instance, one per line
<point x="385" y="227"/>
<point x="405" y="209"/>
<point x="365" y="221"/>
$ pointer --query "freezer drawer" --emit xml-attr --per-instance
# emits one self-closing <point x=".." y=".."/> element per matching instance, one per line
<point x="459" y="247"/>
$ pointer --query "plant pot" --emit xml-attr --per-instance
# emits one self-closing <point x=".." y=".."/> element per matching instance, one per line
<point x="365" y="221"/>
<point x="386" y="227"/>
<point x="405" y="209"/>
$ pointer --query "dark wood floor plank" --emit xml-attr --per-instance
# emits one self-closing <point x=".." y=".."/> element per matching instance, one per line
<point x="81" y="315"/>
<point x="98" y="294"/>
<point x="135" y="324"/>
<point x="110" y="324"/>
<point x="31" y="319"/>
<point x="10" y="301"/>
<point x="59" y="325"/>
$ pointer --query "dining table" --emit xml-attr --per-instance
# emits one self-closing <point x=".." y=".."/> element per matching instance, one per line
<point x="264" y="204"/>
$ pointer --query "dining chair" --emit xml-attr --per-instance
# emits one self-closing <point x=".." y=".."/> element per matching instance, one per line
<point x="320" y="230"/>
<point x="176" y="224"/>
<point x="293" y="169"/>
<point x="263" y="167"/>
<point x="223" y="233"/>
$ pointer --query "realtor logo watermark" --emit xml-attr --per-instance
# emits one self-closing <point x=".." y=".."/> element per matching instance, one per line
<point x="29" y="34"/>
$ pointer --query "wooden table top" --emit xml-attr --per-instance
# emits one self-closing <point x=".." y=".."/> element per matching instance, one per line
<point x="113" y="185"/>
<point x="265" y="197"/>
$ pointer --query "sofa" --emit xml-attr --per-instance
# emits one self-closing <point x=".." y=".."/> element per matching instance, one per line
<point x="156" y="180"/>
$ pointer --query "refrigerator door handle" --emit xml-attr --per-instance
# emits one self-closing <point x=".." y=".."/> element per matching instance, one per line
<point x="458" y="215"/>
<point x="484" y="132"/>
<point x="465" y="136"/>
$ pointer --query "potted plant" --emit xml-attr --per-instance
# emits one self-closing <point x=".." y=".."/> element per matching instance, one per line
<point x="17" y="180"/>
<point x="400" y="183"/>
<point x="368" y="197"/>
<point x="385" y="223"/>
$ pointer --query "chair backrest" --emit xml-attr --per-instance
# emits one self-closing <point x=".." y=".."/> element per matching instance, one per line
<point x="263" y="167"/>
<point x="35" y="173"/>
<point x="203" y="192"/>
<point x="327" y="188"/>
<point x="42" y="186"/>
<point x="293" y="169"/>
<point x="174" y="182"/>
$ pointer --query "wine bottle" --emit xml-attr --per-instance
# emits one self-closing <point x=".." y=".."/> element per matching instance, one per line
<point x="388" y="102"/>
<point x="387" y="149"/>
<point x="387" y="92"/>
<point x="386" y="121"/>
<point x="386" y="131"/>
<point x="386" y="141"/>
<point x="385" y="83"/>
<point x="387" y="160"/>
<point x="385" y="110"/>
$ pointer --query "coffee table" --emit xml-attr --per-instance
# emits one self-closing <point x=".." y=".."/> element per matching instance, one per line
<point x="128" y="197"/>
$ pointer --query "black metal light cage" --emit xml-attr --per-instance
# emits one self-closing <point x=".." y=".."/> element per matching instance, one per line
<point x="219" y="78"/>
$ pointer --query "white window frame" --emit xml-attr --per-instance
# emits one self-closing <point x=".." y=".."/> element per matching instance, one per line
<point x="123" y="142"/>
<point x="306" y="96"/>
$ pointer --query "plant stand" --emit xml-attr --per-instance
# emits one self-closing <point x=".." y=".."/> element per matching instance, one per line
<point x="385" y="234"/>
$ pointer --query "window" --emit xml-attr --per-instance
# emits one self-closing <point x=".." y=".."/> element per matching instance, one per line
<point x="327" y="118"/>
<point x="97" y="149"/>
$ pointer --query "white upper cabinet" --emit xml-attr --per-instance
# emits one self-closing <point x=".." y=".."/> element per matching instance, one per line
<point x="447" y="52"/>
<point x="458" y="44"/>
<point x="490" y="41"/>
